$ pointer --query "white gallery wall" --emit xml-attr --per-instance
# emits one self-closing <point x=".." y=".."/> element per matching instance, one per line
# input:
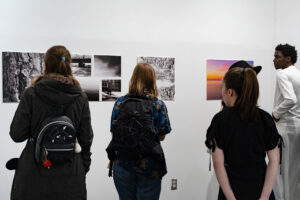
<point x="288" y="23"/>
<point x="192" y="31"/>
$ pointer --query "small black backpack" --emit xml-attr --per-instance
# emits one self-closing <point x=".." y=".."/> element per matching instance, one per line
<point x="55" y="143"/>
<point x="134" y="136"/>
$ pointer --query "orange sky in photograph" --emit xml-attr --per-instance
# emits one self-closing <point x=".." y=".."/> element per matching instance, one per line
<point x="217" y="68"/>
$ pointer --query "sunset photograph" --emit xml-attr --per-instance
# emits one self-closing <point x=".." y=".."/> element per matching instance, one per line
<point x="214" y="75"/>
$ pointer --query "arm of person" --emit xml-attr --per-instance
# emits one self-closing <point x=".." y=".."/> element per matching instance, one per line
<point x="286" y="89"/>
<point x="163" y="123"/>
<point x="271" y="173"/>
<point x="218" y="162"/>
<point x="20" y="126"/>
<point x="162" y="137"/>
<point x="85" y="136"/>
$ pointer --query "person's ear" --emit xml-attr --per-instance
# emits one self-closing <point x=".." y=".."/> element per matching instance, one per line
<point x="288" y="59"/>
<point x="230" y="92"/>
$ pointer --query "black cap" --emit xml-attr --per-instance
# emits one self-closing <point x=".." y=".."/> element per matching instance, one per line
<point x="244" y="64"/>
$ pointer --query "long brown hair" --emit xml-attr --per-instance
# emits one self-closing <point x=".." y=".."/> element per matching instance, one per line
<point x="245" y="84"/>
<point x="143" y="81"/>
<point x="57" y="63"/>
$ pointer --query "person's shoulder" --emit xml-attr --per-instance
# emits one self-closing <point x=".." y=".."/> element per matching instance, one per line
<point x="226" y="111"/>
<point x="219" y="115"/>
<point x="294" y="70"/>
<point x="263" y="112"/>
<point x="28" y="92"/>
<point x="121" y="99"/>
<point x="159" y="103"/>
<point x="265" y="115"/>
<point x="280" y="72"/>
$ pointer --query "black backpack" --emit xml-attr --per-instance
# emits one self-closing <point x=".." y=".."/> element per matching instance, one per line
<point x="55" y="143"/>
<point x="133" y="134"/>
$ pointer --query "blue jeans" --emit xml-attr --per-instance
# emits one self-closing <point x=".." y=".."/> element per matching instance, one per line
<point x="133" y="186"/>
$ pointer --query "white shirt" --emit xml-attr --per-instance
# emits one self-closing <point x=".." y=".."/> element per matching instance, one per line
<point x="287" y="94"/>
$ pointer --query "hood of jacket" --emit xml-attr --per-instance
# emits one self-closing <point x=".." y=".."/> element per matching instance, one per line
<point x="55" y="92"/>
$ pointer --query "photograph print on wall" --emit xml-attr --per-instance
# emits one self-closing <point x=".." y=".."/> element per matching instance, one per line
<point x="90" y="86"/>
<point x="107" y="66"/>
<point x="18" y="70"/>
<point x="111" y="90"/>
<point x="165" y="75"/>
<point x="216" y="69"/>
<point x="81" y="65"/>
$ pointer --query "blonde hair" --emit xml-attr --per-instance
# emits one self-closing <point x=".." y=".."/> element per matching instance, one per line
<point x="143" y="81"/>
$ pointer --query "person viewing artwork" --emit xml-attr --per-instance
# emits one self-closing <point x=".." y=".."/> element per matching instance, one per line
<point x="44" y="172"/>
<point x="286" y="114"/>
<point x="139" y="122"/>
<point x="240" y="136"/>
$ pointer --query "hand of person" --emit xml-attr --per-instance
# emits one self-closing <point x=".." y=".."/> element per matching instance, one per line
<point x="263" y="198"/>
<point x="161" y="137"/>
<point x="275" y="119"/>
<point x="233" y="198"/>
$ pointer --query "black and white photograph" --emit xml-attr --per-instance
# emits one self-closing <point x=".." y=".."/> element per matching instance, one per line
<point x="165" y="75"/>
<point x="90" y="86"/>
<point x="107" y="66"/>
<point x="111" y="90"/>
<point x="18" y="70"/>
<point x="81" y="65"/>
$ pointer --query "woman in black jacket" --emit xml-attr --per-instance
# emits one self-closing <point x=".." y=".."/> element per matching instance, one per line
<point x="55" y="91"/>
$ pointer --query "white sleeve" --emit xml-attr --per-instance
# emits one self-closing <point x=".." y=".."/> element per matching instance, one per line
<point x="285" y="87"/>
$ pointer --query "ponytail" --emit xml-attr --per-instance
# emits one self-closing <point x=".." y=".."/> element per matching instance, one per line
<point x="245" y="84"/>
<point x="247" y="101"/>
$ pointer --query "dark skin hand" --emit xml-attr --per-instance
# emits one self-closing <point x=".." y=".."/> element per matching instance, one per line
<point x="275" y="119"/>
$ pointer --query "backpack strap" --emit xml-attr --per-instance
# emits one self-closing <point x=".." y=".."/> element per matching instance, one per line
<point x="52" y="110"/>
<point x="110" y="168"/>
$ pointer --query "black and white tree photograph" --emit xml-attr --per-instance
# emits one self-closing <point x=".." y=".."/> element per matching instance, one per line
<point x="18" y="70"/>
<point x="81" y="65"/>
<point x="90" y="86"/>
<point x="107" y="66"/>
<point x="165" y="75"/>
<point x="111" y="90"/>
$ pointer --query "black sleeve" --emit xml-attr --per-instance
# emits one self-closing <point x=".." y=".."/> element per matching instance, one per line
<point x="271" y="137"/>
<point x="214" y="134"/>
<point x="20" y="126"/>
<point x="85" y="136"/>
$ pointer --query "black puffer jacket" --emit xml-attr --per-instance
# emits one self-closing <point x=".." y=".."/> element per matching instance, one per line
<point x="32" y="181"/>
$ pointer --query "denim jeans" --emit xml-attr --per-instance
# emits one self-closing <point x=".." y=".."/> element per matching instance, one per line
<point x="133" y="186"/>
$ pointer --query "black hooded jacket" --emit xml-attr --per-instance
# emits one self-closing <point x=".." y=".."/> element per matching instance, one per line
<point x="33" y="181"/>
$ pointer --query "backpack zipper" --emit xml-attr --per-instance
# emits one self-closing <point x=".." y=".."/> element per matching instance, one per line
<point x="59" y="149"/>
<point x="60" y="122"/>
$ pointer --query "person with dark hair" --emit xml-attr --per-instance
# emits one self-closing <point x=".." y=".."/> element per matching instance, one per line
<point x="243" y="64"/>
<point x="239" y="138"/>
<point x="286" y="114"/>
<point x="54" y="92"/>
<point x="139" y="122"/>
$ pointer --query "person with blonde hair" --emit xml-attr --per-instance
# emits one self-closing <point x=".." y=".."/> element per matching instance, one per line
<point x="139" y="122"/>
<point x="53" y="93"/>
<point x="240" y="136"/>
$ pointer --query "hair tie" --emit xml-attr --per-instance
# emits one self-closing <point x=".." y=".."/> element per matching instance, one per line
<point x="63" y="58"/>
